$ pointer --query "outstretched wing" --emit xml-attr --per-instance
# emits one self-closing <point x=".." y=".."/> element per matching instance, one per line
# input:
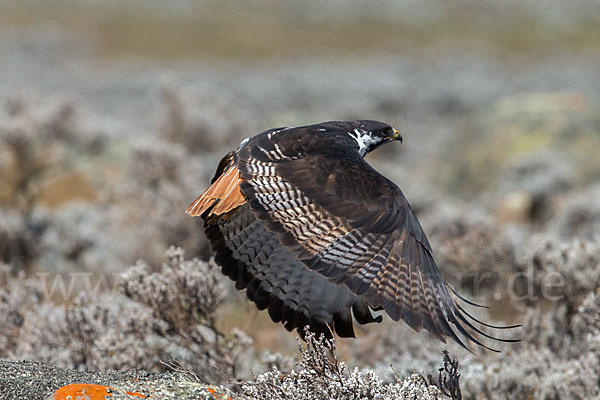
<point x="344" y="220"/>
<point x="256" y="261"/>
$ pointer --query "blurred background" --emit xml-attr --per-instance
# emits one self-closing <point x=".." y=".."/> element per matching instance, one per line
<point x="114" y="114"/>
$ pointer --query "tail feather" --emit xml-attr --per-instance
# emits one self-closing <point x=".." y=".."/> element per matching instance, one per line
<point x="224" y="194"/>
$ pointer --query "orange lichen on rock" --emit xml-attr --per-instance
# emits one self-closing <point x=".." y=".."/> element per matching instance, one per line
<point x="217" y="395"/>
<point x="88" y="391"/>
<point x="225" y="191"/>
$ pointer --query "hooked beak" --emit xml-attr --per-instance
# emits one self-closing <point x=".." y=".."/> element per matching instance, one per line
<point x="396" y="136"/>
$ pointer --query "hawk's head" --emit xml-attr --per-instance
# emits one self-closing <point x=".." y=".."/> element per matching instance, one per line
<point x="371" y="134"/>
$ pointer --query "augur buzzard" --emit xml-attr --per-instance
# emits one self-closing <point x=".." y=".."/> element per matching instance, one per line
<point x="316" y="236"/>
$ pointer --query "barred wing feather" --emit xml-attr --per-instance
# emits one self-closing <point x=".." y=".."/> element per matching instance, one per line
<point x="345" y="221"/>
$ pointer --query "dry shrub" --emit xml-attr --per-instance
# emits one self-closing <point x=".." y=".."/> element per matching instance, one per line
<point x="560" y="271"/>
<point x="15" y="298"/>
<point x="147" y="207"/>
<point x="319" y="375"/>
<point x="153" y="317"/>
<point x="471" y="250"/>
<point x="17" y="245"/>
<point x="579" y="215"/>
<point x="204" y="121"/>
<point x="542" y="177"/>
<point x="38" y="143"/>
<point x="118" y="198"/>
<point x="557" y="359"/>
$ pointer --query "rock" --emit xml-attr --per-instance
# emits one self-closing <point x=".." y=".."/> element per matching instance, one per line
<point x="32" y="380"/>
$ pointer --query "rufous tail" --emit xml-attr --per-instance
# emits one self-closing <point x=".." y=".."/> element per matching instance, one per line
<point x="225" y="192"/>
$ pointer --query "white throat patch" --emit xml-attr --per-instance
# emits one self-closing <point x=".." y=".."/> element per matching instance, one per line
<point x="365" y="140"/>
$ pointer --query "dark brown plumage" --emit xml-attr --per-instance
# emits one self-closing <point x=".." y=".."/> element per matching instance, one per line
<point x="315" y="235"/>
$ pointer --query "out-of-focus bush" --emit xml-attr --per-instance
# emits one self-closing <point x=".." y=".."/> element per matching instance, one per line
<point x="16" y="296"/>
<point x="560" y="271"/>
<point x="558" y="359"/>
<point x="38" y="146"/>
<point x="521" y="125"/>
<point x="146" y="208"/>
<point x="151" y="318"/>
<point x="43" y="157"/>
<point x="76" y="199"/>
<point x="17" y="242"/>
<point x="529" y="187"/>
<point x="203" y="121"/>
<point x="579" y="215"/>
<point x="470" y="248"/>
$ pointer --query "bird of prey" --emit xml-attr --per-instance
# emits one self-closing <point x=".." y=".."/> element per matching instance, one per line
<point x="317" y="236"/>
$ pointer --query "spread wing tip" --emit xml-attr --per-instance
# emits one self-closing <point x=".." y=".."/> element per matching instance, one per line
<point x="447" y="318"/>
<point x="460" y="319"/>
